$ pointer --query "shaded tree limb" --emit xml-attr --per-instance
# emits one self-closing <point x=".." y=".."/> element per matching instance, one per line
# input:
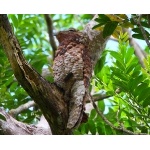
<point x="110" y="124"/>
<point x="140" y="54"/>
<point x="21" y="108"/>
<point x="10" y="126"/>
<point x="49" y="23"/>
<point x="41" y="124"/>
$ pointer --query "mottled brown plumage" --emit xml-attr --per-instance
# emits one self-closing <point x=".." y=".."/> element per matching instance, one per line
<point x="72" y="72"/>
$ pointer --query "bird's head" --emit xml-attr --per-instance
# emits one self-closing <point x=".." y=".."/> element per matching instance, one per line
<point x="70" y="35"/>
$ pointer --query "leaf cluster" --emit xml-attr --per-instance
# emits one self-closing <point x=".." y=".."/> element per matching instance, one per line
<point x="112" y="24"/>
<point x="128" y="87"/>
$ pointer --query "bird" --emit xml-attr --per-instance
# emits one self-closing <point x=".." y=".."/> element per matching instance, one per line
<point x="72" y="70"/>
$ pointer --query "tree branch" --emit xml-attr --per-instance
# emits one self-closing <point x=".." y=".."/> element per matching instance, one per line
<point x="97" y="43"/>
<point x="138" y="22"/>
<point x="15" y="112"/>
<point x="10" y="126"/>
<point x="50" y="33"/>
<point x="99" y="97"/>
<point x="141" y="55"/>
<point x="109" y="123"/>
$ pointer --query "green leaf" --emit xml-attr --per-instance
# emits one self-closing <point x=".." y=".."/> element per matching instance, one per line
<point x="119" y="74"/>
<point x="101" y="105"/>
<point x="146" y="102"/>
<point x="82" y="128"/>
<point x="9" y="81"/>
<point x="93" y="114"/>
<point x="109" y="28"/>
<point x="104" y="17"/>
<point x="130" y="68"/>
<point x="108" y="130"/>
<point x="100" y="128"/>
<point x="121" y="66"/>
<point x="99" y="65"/>
<point x="144" y="94"/>
<point x="127" y="25"/>
<point x="138" y="36"/>
<point x="2" y="117"/>
<point x="134" y="82"/>
<point x="92" y="127"/>
<point x="139" y="88"/>
<point x="129" y="54"/>
<point x="13" y="86"/>
<point x="137" y="30"/>
<point x="117" y="56"/>
<point x="76" y="132"/>
<point x="101" y="22"/>
<point x="87" y="16"/>
<point x="122" y="84"/>
<point x="96" y="26"/>
<point x="136" y="72"/>
<point x="145" y="24"/>
<point x="20" y="17"/>
<point x="15" y="21"/>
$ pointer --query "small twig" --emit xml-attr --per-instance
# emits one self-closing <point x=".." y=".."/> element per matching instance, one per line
<point x="138" y="22"/>
<point x="99" y="97"/>
<point x="15" y="112"/>
<point x="50" y="32"/>
<point x="110" y="124"/>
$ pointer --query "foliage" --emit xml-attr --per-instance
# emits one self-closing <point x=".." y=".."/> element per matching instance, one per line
<point x="124" y="80"/>
<point x="112" y="24"/>
<point x="129" y="88"/>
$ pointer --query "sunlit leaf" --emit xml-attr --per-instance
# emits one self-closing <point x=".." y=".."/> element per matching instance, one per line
<point x="146" y="102"/>
<point x="101" y="105"/>
<point x="92" y="127"/>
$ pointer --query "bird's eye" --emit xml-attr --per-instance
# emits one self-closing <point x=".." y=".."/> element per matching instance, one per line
<point x="72" y="30"/>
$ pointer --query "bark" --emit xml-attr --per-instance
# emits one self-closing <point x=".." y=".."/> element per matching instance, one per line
<point x="21" y="108"/>
<point x="47" y="96"/>
<point x="10" y="126"/>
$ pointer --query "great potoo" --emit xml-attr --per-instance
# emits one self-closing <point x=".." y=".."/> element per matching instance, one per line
<point x="72" y="70"/>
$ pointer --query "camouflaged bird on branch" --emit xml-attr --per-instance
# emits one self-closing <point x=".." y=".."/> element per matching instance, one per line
<point x="72" y="70"/>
